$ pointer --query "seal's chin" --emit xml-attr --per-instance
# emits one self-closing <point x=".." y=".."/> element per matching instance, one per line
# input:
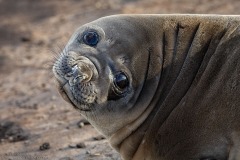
<point x="66" y="94"/>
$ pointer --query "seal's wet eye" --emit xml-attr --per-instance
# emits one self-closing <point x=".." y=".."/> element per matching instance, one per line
<point x="121" y="81"/>
<point x="90" y="38"/>
<point x="119" y="87"/>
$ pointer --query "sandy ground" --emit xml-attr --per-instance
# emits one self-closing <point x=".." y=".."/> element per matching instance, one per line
<point x="35" y="123"/>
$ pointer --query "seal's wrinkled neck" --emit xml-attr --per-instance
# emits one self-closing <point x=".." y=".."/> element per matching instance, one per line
<point x="127" y="139"/>
<point x="181" y="45"/>
<point x="186" y="44"/>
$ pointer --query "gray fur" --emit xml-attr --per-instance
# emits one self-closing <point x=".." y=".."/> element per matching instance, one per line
<point x="183" y="101"/>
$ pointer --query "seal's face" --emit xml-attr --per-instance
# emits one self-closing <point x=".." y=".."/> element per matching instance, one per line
<point x="81" y="78"/>
<point x="101" y="72"/>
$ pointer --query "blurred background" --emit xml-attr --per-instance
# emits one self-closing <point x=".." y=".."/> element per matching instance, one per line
<point x="35" y="123"/>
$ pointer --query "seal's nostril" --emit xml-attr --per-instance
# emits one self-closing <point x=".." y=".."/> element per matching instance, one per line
<point x="84" y="71"/>
<point x="80" y="73"/>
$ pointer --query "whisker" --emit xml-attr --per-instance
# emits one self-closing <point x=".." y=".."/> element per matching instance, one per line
<point x="65" y="51"/>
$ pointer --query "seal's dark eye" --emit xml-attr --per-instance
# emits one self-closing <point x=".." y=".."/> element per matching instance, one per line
<point x="121" y="81"/>
<point x="120" y="86"/>
<point x="91" y="38"/>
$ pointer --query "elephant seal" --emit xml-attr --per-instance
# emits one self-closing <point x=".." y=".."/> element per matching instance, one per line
<point x="158" y="87"/>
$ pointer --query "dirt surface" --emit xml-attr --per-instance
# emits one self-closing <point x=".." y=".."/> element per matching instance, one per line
<point x="35" y="123"/>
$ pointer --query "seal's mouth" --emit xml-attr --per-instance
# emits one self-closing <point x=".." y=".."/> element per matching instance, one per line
<point x="76" y="81"/>
<point x="67" y="99"/>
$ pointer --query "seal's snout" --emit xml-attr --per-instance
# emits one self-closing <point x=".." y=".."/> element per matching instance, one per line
<point x="82" y="71"/>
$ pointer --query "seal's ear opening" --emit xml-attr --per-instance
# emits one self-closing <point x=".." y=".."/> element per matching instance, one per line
<point x="119" y="86"/>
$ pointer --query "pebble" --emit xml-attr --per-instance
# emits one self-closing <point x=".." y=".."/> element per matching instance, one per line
<point x="72" y="146"/>
<point x="25" y="39"/>
<point x="82" y="123"/>
<point x="81" y="145"/>
<point x="98" y="138"/>
<point x="44" y="146"/>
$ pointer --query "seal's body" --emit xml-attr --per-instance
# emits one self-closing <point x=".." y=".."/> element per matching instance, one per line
<point x="159" y="87"/>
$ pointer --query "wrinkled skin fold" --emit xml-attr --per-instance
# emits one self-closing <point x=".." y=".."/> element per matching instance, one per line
<point x="182" y="99"/>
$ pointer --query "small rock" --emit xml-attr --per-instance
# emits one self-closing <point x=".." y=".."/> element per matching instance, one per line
<point x="25" y="39"/>
<point x="53" y="98"/>
<point x="81" y="145"/>
<point x="53" y="106"/>
<point x="43" y="85"/>
<point x="72" y="146"/>
<point x="40" y="42"/>
<point x="44" y="146"/>
<point x="29" y="57"/>
<point x="98" y="138"/>
<point x="35" y="106"/>
<point x="66" y="110"/>
<point x="96" y="154"/>
<point x="10" y="138"/>
<point x="82" y="123"/>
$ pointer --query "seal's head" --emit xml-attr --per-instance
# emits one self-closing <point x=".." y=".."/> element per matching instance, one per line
<point x="102" y="70"/>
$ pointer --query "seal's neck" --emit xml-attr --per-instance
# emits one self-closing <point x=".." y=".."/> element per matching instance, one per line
<point x="180" y="52"/>
<point x="187" y="49"/>
<point x="127" y="139"/>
